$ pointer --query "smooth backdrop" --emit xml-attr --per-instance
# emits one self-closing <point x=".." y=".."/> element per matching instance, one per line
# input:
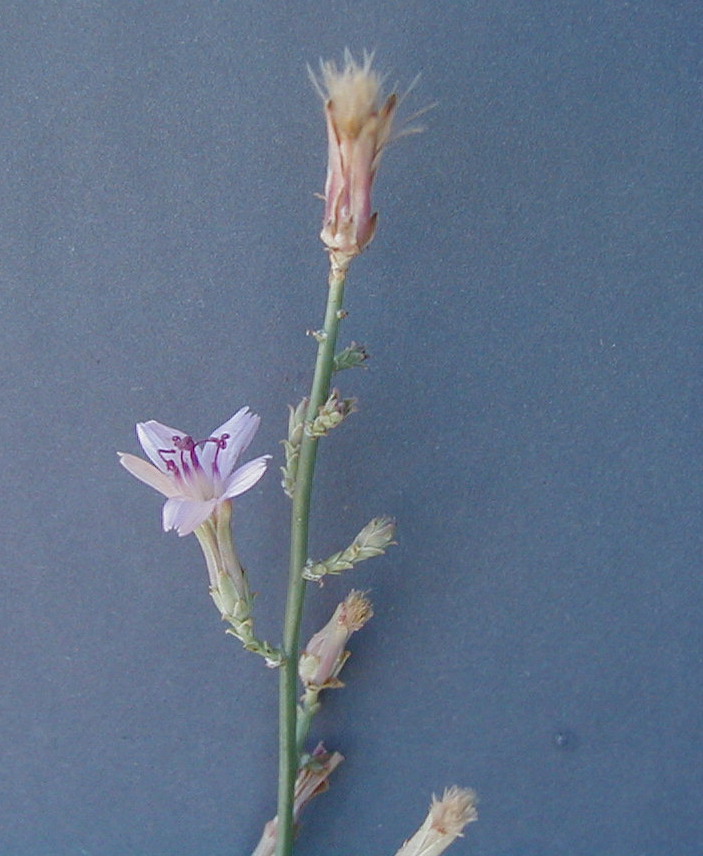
<point x="531" y="414"/>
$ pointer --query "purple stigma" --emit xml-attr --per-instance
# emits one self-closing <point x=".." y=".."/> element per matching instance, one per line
<point x="187" y="446"/>
<point x="221" y="444"/>
<point x="187" y="450"/>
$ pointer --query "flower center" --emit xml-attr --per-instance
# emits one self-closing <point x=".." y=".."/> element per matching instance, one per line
<point x="183" y="461"/>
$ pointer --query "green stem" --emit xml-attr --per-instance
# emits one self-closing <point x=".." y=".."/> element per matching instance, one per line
<point x="309" y="706"/>
<point x="288" y="750"/>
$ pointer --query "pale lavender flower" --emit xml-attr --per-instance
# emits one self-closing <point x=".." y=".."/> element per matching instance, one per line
<point x="196" y="476"/>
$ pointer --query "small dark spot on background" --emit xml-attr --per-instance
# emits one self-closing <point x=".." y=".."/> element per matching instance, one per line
<point x="565" y="740"/>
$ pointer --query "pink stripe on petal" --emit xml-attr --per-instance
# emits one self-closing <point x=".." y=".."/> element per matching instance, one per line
<point x="245" y="477"/>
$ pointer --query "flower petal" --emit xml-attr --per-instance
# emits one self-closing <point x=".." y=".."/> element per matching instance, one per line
<point x="186" y="515"/>
<point x="149" y="474"/>
<point x="241" y="429"/>
<point x="155" y="435"/>
<point x="245" y="477"/>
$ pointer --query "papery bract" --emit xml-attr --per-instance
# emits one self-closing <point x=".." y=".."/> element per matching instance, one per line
<point x="196" y="476"/>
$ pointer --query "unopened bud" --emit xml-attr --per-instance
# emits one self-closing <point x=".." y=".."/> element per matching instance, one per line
<point x="373" y="540"/>
<point x="351" y="357"/>
<point x="291" y="446"/>
<point x="334" y="411"/>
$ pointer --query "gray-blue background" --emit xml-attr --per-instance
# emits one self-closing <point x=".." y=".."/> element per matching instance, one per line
<point x="531" y="415"/>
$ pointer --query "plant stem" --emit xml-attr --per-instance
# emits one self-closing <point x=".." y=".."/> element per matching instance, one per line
<point x="288" y="751"/>
<point x="307" y="710"/>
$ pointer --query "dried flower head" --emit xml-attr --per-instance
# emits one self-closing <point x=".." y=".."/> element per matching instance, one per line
<point x="312" y="780"/>
<point x="359" y="125"/>
<point x="324" y="655"/>
<point x="444" y="823"/>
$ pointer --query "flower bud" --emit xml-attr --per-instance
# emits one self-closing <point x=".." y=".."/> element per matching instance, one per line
<point x="359" y="124"/>
<point x="373" y="540"/>
<point x="352" y="356"/>
<point x="331" y="414"/>
<point x="324" y="655"/>
<point x="296" y="425"/>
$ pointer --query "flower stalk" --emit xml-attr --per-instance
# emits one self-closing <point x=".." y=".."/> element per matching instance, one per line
<point x="319" y="393"/>
<point x="359" y="122"/>
<point x="200" y="478"/>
